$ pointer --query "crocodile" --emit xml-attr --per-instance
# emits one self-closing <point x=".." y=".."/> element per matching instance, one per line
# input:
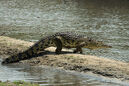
<point x="59" y="40"/>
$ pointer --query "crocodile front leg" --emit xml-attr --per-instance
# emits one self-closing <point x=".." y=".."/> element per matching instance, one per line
<point x="58" y="44"/>
<point x="78" y="49"/>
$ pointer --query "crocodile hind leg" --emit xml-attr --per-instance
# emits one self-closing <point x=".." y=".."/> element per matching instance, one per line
<point x="58" y="44"/>
<point x="78" y="49"/>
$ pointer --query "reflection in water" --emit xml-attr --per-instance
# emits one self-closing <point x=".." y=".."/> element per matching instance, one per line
<point x="48" y="76"/>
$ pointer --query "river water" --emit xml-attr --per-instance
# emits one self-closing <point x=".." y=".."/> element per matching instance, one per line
<point x="48" y="76"/>
<point x="105" y="20"/>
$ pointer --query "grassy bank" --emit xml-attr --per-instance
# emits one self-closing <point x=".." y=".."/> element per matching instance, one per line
<point x="17" y="83"/>
<point x="69" y="61"/>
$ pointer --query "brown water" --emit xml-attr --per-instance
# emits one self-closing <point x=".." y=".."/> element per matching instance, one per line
<point x="105" y="20"/>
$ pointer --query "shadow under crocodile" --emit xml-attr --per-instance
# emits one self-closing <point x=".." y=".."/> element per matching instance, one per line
<point x="45" y="52"/>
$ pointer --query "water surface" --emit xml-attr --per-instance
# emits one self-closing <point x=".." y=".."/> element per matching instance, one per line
<point x="30" y="20"/>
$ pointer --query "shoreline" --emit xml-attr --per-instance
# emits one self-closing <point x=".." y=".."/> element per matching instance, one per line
<point x="69" y="61"/>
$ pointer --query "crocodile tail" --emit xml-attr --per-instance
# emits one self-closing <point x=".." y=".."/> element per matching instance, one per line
<point x="18" y="57"/>
<point x="31" y="52"/>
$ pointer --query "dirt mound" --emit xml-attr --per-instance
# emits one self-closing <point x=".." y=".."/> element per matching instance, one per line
<point x="67" y="60"/>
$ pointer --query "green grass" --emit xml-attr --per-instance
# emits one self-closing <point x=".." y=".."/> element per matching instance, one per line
<point x="17" y="83"/>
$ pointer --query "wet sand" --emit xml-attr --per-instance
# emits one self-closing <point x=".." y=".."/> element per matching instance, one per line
<point x="67" y="60"/>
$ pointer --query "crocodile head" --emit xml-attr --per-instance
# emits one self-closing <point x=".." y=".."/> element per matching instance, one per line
<point x="93" y="44"/>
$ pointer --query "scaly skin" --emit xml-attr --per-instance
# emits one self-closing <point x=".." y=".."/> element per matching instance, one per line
<point x="59" y="40"/>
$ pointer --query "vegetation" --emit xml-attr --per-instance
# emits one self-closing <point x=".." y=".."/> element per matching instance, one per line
<point x="17" y="83"/>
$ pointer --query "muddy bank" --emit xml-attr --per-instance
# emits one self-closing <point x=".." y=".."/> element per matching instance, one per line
<point x="67" y="60"/>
